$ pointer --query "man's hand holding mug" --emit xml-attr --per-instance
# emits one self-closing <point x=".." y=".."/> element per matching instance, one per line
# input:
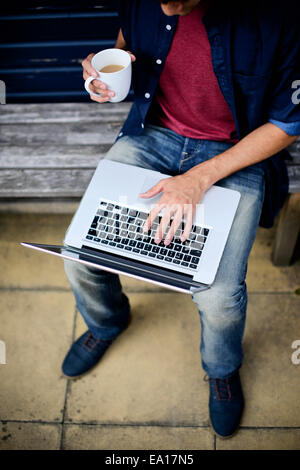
<point x="107" y="75"/>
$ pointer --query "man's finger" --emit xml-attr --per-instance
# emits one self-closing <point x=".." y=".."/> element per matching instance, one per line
<point x="175" y="224"/>
<point x="156" y="189"/>
<point x="87" y="66"/>
<point x="152" y="216"/>
<point x="164" y="224"/>
<point x="133" y="58"/>
<point x="100" y="99"/>
<point x="189" y="215"/>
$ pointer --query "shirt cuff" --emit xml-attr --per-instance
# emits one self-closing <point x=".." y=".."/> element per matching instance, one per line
<point x="291" y="128"/>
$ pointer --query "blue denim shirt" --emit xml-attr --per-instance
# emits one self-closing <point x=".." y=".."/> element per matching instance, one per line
<point x="255" y="48"/>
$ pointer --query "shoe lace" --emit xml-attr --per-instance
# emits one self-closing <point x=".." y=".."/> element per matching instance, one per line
<point x="222" y="388"/>
<point x="90" y="342"/>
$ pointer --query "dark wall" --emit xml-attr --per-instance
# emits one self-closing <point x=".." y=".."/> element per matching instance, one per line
<point x="42" y="45"/>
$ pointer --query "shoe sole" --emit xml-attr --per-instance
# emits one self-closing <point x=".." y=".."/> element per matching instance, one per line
<point x="75" y="377"/>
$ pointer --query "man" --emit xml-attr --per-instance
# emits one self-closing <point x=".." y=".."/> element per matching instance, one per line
<point x="213" y="87"/>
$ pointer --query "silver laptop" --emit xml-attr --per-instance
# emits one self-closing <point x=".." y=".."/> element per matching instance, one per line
<point x="106" y="231"/>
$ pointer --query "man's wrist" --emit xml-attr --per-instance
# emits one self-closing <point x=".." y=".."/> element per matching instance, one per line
<point x="206" y="173"/>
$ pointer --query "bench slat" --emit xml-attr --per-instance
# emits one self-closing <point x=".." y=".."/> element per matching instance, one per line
<point x="69" y="133"/>
<point x="52" y="156"/>
<point x="63" y="113"/>
<point x="38" y="183"/>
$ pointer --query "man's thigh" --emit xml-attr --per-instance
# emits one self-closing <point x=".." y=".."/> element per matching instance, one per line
<point x="154" y="149"/>
<point x="232" y="270"/>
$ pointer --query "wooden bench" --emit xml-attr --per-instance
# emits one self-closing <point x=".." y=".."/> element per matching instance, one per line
<point x="48" y="153"/>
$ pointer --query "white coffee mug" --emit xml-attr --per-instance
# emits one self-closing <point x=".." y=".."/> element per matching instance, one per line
<point x="119" y="81"/>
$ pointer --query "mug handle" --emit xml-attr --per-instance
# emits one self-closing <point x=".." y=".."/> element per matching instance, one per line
<point x="87" y="86"/>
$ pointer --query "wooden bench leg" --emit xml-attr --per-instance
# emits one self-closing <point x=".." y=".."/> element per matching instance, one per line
<point x="287" y="231"/>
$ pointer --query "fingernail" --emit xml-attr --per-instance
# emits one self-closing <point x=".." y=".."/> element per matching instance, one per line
<point x="145" y="228"/>
<point x="111" y="93"/>
<point x="157" y="240"/>
<point x="94" y="74"/>
<point x="102" y="87"/>
<point x="167" y="241"/>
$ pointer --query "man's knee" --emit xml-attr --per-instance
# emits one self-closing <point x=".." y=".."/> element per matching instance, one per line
<point x="222" y="304"/>
<point x="78" y="273"/>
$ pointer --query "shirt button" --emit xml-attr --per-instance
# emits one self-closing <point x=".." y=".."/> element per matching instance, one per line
<point x="147" y="95"/>
<point x="169" y="27"/>
<point x="142" y="125"/>
<point x="121" y="133"/>
<point x="158" y="61"/>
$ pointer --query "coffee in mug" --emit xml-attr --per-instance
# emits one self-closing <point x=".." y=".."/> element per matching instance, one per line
<point x="111" y="68"/>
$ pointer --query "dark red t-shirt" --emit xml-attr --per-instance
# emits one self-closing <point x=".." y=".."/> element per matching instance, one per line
<point x="188" y="99"/>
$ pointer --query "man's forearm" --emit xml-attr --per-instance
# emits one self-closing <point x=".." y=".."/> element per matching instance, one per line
<point x="255" y="147"/>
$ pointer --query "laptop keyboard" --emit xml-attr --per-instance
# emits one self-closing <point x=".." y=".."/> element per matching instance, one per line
<point x="121" y="227"/>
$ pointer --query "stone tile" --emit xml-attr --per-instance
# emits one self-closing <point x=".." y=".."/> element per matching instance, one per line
<point x="152" y="373"/>
<point x="78" y="437"/>
<point x="271" y="381"/>
<point x="29" y="436"/>
<point x="28" y="268"/>
<point x="37" y="329"/>
<point x="262" y="275"/>
<point x="261" y="439"/>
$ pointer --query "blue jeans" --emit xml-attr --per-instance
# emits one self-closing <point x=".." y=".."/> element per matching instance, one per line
<point x="222" y="308"/>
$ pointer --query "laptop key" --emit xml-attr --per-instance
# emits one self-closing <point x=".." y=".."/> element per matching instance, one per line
<point x="155" y="249"/>
<point x="105" y="242"/>
<point x="128" y="248"/>
<point x="163" y="251"/>
<point x="135" y="250"/>
<point x="168" y="259"/>
<point x="93" y="232"/>
<point x="140" y="245"/>
<point x="171" y="254"/>
<point x="143" y="252"/>
<point x="187" y="258"/>
<point x="177" y="248"/>
<point x="148" y="247"/>
<point x="205" y="231"/>
<point x="159" y="257"/>
<point x="176" y="261"/>
<point x="195" y="253"/>
<point x="195" y="260"/>
<point x="152" y="255"/>
<point x="119" y="245"/>
<point x="193" y="266"/>
<point x="133" y="212"/>
<point x="179" y="256"/>
<point x="184" y="264"/>
<point x="89" y="237"/>
<point x="112" y="243"/>
<point x="125" y="241"/>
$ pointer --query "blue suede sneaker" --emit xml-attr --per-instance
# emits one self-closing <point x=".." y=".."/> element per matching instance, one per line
<point x="226" y="404"/>
<point x="84" y="354"/>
